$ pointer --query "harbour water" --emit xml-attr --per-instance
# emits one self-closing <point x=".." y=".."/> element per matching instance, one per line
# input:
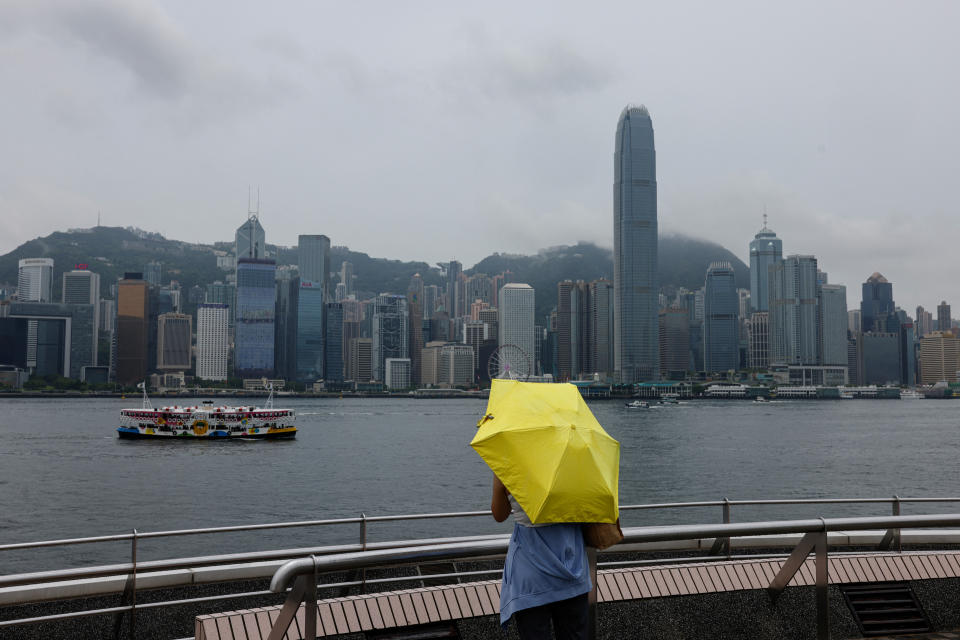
<point x="64" y="473"/>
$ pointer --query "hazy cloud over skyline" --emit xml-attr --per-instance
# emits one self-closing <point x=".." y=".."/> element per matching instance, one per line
<point x="433" y="131"/>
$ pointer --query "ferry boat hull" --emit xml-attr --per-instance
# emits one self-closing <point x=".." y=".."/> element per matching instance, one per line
<point x="211" y="434"/>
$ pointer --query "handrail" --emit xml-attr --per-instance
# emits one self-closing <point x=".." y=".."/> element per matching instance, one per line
<point x="446" y="515"/>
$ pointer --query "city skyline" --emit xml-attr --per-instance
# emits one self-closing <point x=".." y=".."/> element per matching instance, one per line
<point x="157" y="117"/>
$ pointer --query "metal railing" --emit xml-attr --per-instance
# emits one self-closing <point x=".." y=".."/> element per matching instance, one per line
<point x="131" y="571"/>
<point x="301" y="576"/>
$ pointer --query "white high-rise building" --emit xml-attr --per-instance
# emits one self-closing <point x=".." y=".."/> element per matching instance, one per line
<point x="35" y="280"/>
<point x="81" y="286"/>
<point x="397" y="373"/>
<point x="212" y="341"/>
<point x="515" y="323"/>
<point x="34" y="284"/>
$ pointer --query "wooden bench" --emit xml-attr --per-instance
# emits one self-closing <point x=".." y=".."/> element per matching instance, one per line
<point x="410" y="607"/>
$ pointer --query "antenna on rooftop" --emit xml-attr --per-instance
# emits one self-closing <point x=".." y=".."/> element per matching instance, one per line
<point x="764" y="216"/>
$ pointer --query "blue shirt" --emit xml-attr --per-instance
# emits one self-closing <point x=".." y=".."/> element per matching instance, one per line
<point x="544" y="564"/>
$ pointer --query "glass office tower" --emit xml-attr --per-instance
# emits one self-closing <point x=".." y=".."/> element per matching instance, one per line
<point x="766" y="249"/>
<point x="720" y="321"/>
<point x="255" y="318"/>
<point x="636" y="293"/>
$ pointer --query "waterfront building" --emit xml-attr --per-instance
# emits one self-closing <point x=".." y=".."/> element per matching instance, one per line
<point x="333" y="369"/>
<point x="515" y="322"/>
<point x="310" y="341"/>
<point x="944" y="323"/>
<point x="250" y="240"/>
<point x="758" y="338"/>
<point x="924" y="322"/>
<point x="34" y="284"/>
<point x="213" y="341"/>
<point x="174" y="342"/>
<point x="153" y="273"/>
<point x="674" y="342"/>
<point x="415" y="325"/>
<point x="793" y="311"/>
<point x="939" y="357"/>
<point x="877" y="303"/>
<point x="397" y="373"/>
<point x="62" y="345"/>
<point x="285" y="324"/>
<point x="133" y="309"/>
<point x="359" y="360"/>
<point x="430" y="363"/>
<point x="720" y="324"/>
<point x="833" y="324"/>
<point x="766" y="249"/>
<point x="879" y="358"/>
<point x="853" y="359"/>
<point x="390" y="333"/>
<point x="601" y="327"/>
<point x="456" y="368"/>
<point x="82" y="286"/>
<point x="255" y="318"/>
<point x="636" y="334"/>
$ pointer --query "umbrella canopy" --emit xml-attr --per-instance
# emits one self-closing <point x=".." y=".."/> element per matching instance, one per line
<point x="550" y="452"/>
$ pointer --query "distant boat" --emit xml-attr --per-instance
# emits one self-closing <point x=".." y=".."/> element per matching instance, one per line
<point x="911" y="394"/>
<point x="761" y="399"/>
<point x="670" y="398"/>
<point x="637" y="404"/>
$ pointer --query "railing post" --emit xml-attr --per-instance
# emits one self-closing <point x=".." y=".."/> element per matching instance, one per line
<point x="823" y="592"/>
<point x="363" y="544"/>
<point x="310" y="606"/>
<point x="592" y="596"/>
<point x="896" y="532"/>
<point x="722" y="545"/>
<point x="133" y="592"/>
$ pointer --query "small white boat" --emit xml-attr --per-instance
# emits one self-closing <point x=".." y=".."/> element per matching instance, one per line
<point x="911" y="394"/>
<point x="637" y="404"/>
<point x="670" y="398"/>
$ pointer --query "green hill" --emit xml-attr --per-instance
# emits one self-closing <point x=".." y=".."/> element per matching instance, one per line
<point x="111" y="251"/>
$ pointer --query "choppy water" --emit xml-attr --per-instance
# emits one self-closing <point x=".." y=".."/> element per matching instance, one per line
<point x="64" y="473"/>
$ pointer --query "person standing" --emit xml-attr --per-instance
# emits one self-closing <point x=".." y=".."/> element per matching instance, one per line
<point x="546" y="575"/>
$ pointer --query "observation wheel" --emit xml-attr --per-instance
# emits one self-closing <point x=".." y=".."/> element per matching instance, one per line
<point x="510" y="362"/>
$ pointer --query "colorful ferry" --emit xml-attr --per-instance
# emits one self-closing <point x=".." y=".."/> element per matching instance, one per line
<point x="207" y="422"/>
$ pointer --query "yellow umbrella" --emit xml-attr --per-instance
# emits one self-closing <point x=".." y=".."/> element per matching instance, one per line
<point x="550" y="452"/>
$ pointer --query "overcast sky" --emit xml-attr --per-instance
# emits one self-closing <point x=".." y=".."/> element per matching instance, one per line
<point x="443" y="130"/>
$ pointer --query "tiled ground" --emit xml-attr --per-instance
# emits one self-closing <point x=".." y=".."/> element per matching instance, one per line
<point x="942" y="635"/>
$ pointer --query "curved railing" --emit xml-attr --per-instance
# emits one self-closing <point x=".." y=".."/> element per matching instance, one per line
<point x="127" y="574"/>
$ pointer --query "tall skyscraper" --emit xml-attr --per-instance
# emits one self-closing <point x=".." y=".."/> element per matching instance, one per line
<point x="877" y="303"/>
<point x="314" y="261"/>
<point x="390" y="333"/>
<point x="453" y="272"/>
<point x="924" y="322"/>
<point x="250" y="240"/>
<point x="766" y="249"/>
<point x="133" y="309"/>
<point x="944" y="323"/>
<point x="174" y="335"/>
<point x="601" y="326"/>
<point x="793" y="311"/>
<point x="674" y="341"/>
<point x="346" y="276"/>
<point x="285" y="327"/>
<point x="515" y="324"/>
<point x="833" y="324"/>
<point x="311" y="340"/>
<point x="333" y="351"/>
<point x="636" y="292"/>
<point x="255" y="318"/>
<point x="213" y="341"/>
<point x="82" y="286"/>
<point x="721" y="336"/>
<point x="35" y="280"/>
<point x="153" y="273"/>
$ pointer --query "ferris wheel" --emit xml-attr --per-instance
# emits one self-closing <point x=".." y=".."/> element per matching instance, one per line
<point x="511" y="362"/>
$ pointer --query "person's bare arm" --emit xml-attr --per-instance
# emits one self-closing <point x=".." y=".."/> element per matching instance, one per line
<point x="499" y="504"/>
